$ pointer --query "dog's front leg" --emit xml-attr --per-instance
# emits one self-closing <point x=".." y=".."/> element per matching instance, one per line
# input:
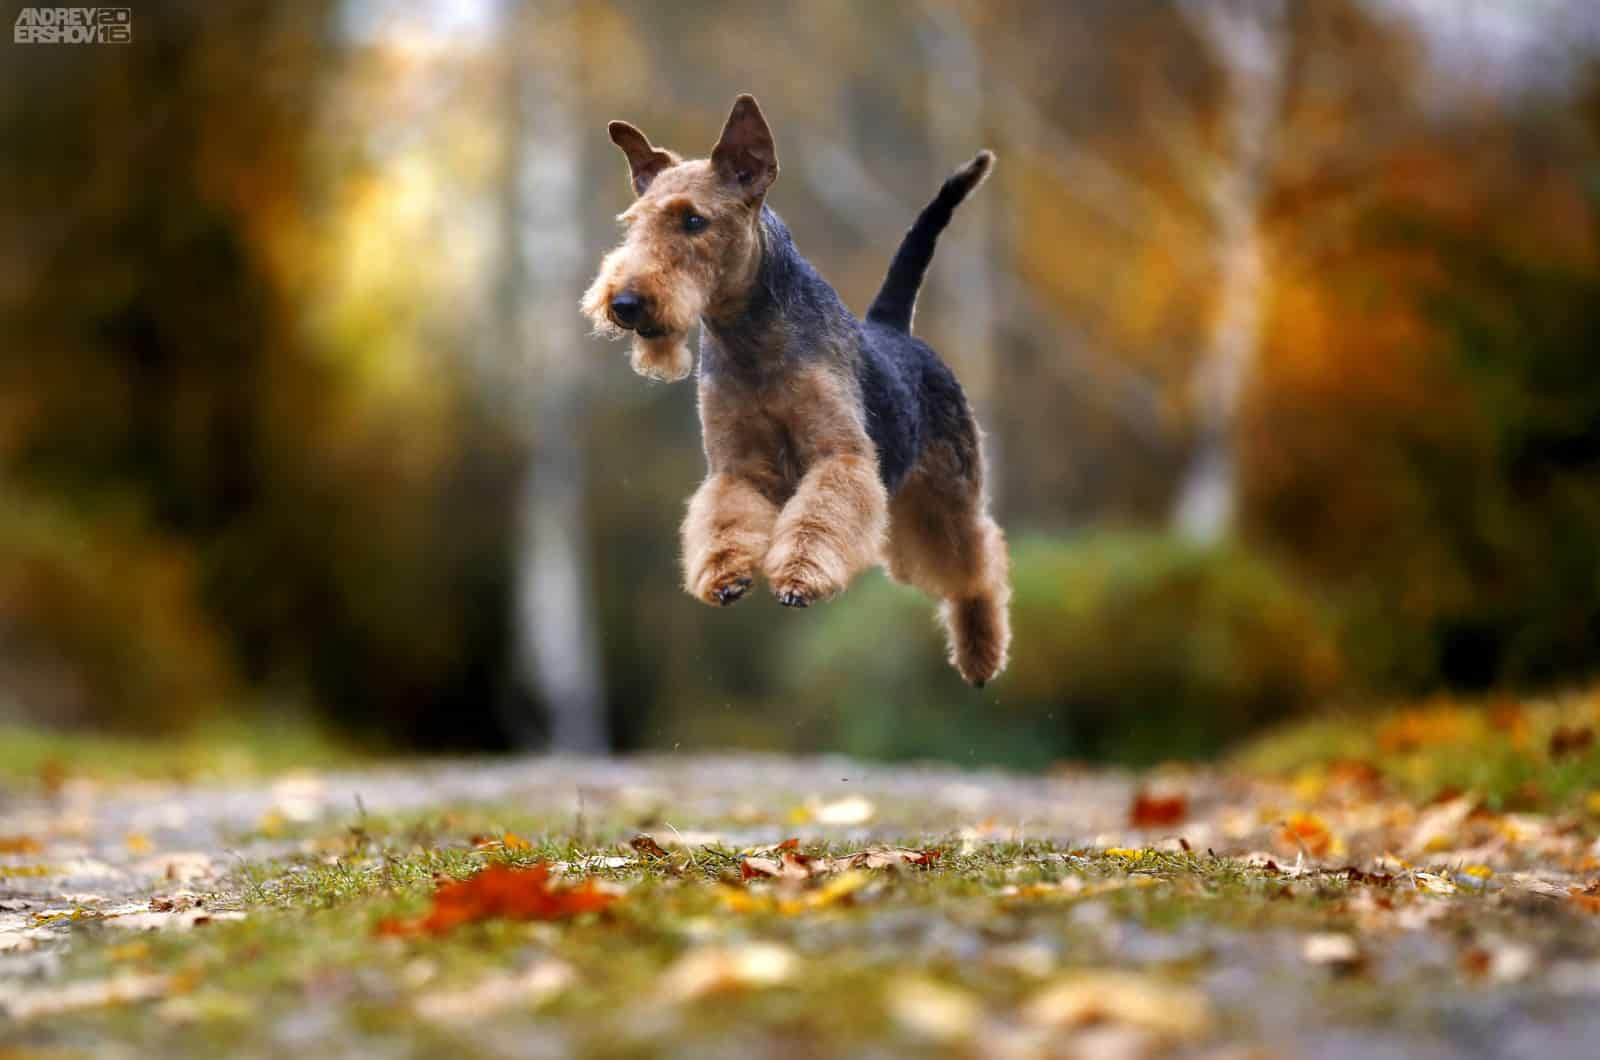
<point x="830" y="530"/>
<point x="725" y="537"/>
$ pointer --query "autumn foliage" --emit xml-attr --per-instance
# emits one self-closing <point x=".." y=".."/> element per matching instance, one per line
<point x="1151" y="810"/>
<point x="501" y="892"/>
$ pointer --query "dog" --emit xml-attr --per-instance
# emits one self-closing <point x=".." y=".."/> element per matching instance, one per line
<point x="832" y="443"/>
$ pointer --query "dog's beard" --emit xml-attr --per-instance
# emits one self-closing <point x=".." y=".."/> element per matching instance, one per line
<point x="663" y="357"/>
<point x="665" y="353"/>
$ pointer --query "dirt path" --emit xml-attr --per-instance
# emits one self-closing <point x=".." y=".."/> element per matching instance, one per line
<point x="1328" y="922"/>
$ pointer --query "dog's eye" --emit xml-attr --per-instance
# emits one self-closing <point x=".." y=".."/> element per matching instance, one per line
<point x="693" y="222"/>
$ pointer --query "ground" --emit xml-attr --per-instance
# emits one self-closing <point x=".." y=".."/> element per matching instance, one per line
<point x="1424" y="886"/>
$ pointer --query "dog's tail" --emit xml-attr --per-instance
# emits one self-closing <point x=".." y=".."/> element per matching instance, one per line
<point x="897" y="299"/>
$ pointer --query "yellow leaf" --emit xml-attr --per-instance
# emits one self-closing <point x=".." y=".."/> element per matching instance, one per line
<point x="1432" y="884"/>
<point x="835" y="890"/>
<point x="715" y="970"/>
<point x="1169" y="1011"/>
<point x="932" y="1010"/>
<point x="137" y="843"/>
<point x="512" y="841"/>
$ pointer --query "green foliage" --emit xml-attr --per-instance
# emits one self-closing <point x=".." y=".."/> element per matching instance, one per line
<point x="105" y="625"/>
<point x="1128" y="646"/>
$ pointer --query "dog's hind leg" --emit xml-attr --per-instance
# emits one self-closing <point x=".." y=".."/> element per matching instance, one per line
<point x="943" y="541"/>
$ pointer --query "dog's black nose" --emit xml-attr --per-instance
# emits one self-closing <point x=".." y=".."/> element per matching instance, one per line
<point x="627" y="308"/>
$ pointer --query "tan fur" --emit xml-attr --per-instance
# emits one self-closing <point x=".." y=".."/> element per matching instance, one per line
<point x="725" y="538"/>
<point x="831" y="529"/>
<point x="943" y="541"/>
<point x="681" y="276"/>
<point x="800" y="443"/>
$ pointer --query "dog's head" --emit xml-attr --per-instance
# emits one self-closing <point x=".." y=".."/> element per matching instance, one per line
<point x="692" y="243"/>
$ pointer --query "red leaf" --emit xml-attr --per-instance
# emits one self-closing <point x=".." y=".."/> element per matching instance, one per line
<point x="501" y="892"/>
<point x="1157" y="811"/>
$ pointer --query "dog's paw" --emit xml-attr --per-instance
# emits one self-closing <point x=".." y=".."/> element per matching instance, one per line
<point x="721" y="580"/>
<point x="798" y="582"/>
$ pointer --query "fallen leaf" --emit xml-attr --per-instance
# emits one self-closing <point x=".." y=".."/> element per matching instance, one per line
<point x="647" y="847"/>
<point x="138" y="843"/>
<point x="1498" y="961"/>
<point x="1331" y="948"/>
<point x="496" y="993"/>
<point x="170" y="921"/>
<point x="1173" y="1012"/>
<point x="715" y="970"/>
<point x="128" y="951"/>
<point x="1429" y="883"/>
<point x="1307" y="832"/>
<point x="19" y="844"/>
<point x="793" y="865"/>
<point x="23" y="1005"/>
<point x="501" y="892"/>
<point x="933" y="1010"/>
<point x="1439" y="825"/>
<point x="847" y="811"/>
<point x="1157" y="811"/>
<point x="512" y="841"/>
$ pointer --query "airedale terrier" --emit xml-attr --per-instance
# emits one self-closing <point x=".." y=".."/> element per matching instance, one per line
<point x="832" y="443"/>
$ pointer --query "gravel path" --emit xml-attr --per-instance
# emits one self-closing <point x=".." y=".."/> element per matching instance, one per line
<point x="1478" y="947"/>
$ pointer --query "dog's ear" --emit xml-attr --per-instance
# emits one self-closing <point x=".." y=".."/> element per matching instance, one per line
<point x="746" y="157"/>
<point x="644" y="160"/>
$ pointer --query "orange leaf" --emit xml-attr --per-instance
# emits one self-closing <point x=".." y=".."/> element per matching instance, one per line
<point x="1306" y="831"/>
<point x="501" y="892"/>
<point x="19" y="844"/>
<point x="1157" y="811"/>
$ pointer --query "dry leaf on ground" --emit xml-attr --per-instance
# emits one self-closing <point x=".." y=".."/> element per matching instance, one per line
<point x="1332" y="948"/>
<point x="933" y="1010"/>
<point x="1177" y="1013"/>
<point x="496" y="993"/>
<point x="716" y="969"/>
<point x="793" y="865"/>
<point x="24" y="1005"/>
<point x="502" y="892"/>
<point x="1157" y="811"/>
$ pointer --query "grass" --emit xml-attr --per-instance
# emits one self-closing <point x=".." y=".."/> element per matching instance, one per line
<point x="307" y="954"/>
<point x="1513" y="754"/>
<point x="992" y="922"/>
<point x="242" y="749"/>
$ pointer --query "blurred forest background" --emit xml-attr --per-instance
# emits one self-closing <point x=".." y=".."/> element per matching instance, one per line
<point x="1282" y="318"/>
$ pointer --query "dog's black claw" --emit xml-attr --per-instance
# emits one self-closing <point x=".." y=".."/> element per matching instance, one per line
<point x="732" y="592"/>
<point x="793" y="599"/>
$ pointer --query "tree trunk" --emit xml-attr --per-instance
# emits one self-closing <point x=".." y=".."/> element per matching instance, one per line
<point x="541" y="358"/>
<point x="1249" y="39"/>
